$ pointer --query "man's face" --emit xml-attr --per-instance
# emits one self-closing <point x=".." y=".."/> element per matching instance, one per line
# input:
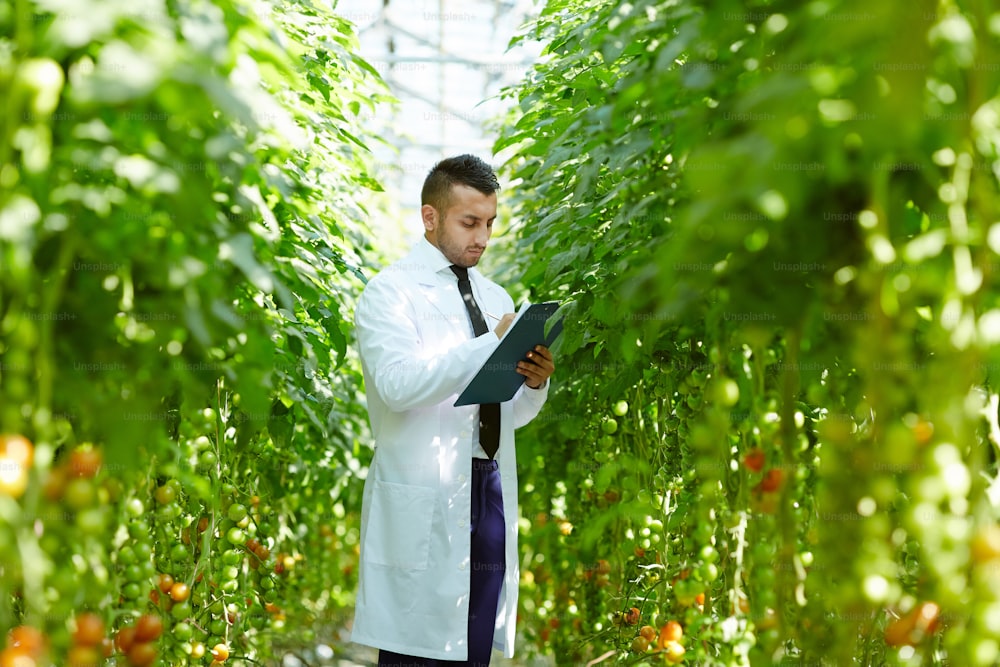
<point x="463" y="230"/>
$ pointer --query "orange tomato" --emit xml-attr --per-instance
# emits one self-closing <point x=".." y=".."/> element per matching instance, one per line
<point x="180" y="592"/>
<point x="83" y="656"/>
<point x="89" y="629"/>
<point x="165" y="583"/>
<point x="17" y="448"/>
<point x="27" y="639"/>
<point x="220" y="652"/>
<point x="671" y="631"/>
<point x="910" y="629"/>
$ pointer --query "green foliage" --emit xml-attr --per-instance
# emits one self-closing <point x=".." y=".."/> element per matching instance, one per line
<point x="771" y="226"/>
<point x="181" y="225"/>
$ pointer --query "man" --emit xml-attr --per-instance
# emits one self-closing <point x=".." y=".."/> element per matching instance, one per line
<point x="438" y="576"/>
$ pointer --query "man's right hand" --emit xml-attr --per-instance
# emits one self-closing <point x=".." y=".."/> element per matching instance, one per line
<point x="504" y="324"/>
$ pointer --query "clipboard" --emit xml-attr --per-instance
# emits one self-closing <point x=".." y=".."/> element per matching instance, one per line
<point x="498" y="380"/>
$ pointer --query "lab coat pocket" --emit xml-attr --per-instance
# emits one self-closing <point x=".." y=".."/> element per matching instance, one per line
<point x="399" y="526"/>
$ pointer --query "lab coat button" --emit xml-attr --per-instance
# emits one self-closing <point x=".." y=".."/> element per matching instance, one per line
<point x="461" y="523"/>
<point x="461" y="478"/>
<point x="462" y="566"/>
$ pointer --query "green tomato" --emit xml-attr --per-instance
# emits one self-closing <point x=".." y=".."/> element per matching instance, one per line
<point x="134" y="508"/>
<point x="235" y="536"/>
<point x="131" y="591"/>
<point x="80" y="493"/>
<point x="708" y="572"/>
<point x="181" y="610"/>
<point x="138" y="529"/>
<point x="237" y="513"/>
<point x="126" y="555"/>
<point x="179" y="552"/>
<point x="208" y="459"/>
<point x="609" y="426"/>
<point x="231" y="557"/>
<point x="726" y="392"/>
<point x="621" y="408"/>
<point x="143" y="551"/>
<point x="165" y="494"/>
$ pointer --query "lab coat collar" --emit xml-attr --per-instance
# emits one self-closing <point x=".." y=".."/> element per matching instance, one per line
<point x="431" y="257"/>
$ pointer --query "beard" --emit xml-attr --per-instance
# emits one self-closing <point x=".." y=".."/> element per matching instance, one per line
<point x="455" y="252"/>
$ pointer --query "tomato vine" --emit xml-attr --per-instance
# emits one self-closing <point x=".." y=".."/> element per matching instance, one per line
<point x="769" y="225"/>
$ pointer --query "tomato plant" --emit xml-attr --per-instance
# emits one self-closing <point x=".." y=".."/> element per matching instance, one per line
<point x="181" y="233"/>
<point x="769" y="226"/>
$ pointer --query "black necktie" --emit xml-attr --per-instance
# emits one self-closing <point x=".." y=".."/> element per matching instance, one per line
<point x="489" y="413"/>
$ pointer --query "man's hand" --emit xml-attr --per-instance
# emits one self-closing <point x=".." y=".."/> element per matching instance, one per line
<point x="504" y="324"/>
<point x="538" y="367"/>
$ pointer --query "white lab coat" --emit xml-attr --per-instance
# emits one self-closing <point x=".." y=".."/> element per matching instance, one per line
<point x="418" y="353"/>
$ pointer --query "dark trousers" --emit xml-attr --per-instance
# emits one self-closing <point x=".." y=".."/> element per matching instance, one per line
<point x="486" y="578"/>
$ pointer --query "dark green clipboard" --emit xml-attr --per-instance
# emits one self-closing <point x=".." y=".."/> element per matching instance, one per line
<point x="498" y="380"/>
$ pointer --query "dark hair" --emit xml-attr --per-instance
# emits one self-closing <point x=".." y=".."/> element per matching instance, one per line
<point x="462" y="170"/>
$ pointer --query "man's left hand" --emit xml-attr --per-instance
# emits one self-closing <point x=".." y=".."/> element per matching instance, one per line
<point x="537" y="367"/>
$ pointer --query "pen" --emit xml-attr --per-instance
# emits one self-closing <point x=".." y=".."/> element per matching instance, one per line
<point x="492" y="315"/>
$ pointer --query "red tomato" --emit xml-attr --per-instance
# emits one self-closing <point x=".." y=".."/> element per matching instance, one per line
<point x="166" y="582"/>
<point x="772" y="480"/>
<point x="125" y="638"/>
<point x="142" y="654"/>
<point x="754" y="460"/>
<point x="148" y="628"/>
<point x="85" y="462"/>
